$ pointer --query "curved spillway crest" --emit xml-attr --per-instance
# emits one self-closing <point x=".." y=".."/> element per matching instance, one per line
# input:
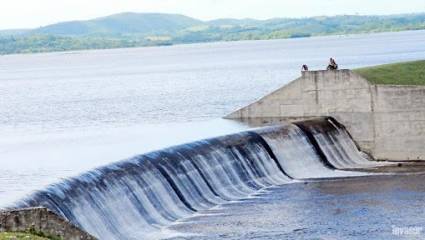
<point x="335" y="144"/>
<point x="133" y="199"/>
<point x="296" y="154"/>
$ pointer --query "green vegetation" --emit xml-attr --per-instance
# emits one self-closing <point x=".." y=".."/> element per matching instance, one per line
<point x="406" y="73"/>
<point x="138" y="29"/>
<point x="31" y="234"/>
<point x="17" y="236"/>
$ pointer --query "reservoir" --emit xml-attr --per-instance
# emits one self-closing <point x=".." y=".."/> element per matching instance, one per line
<point x="65" y="113"/>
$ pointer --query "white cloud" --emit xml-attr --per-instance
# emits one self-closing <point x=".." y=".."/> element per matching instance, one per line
<point x="30" y="13"/>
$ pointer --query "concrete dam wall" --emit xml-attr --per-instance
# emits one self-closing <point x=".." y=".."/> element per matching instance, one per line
<point x="387" y="121"/>
<point x="139" y="197"/>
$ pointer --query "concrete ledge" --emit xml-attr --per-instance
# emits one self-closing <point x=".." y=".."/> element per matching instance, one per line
<point x="387" y="121"/>
<point x="43" y="221"/>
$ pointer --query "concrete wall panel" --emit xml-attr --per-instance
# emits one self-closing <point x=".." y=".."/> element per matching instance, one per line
<point x="386" y="121"/>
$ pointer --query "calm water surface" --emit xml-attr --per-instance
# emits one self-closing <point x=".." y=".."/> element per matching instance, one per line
<point x="63" y="113"/>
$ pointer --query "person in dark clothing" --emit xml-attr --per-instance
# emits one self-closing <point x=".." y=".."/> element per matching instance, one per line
<point x="304" y="68"/>
<point x="332" y="64"/>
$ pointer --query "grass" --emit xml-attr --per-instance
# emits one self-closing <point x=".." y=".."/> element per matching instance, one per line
<point x="405" y="73"/>
<point x="18" y="236"/>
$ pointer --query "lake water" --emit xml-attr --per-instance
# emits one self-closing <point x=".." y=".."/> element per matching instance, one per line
<point x="63" y="113"/>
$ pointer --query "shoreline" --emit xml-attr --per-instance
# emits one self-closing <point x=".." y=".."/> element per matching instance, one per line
<point x="336" y="36"/>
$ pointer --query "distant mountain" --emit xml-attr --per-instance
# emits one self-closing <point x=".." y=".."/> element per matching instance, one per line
<point x="123" y="23"/>
<point x="154" y="29"/>
<point x="13" y="32"/>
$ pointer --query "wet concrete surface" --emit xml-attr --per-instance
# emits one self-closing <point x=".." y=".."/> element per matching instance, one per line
<point x="406" y="167"/>
<point x="353" y="208"/>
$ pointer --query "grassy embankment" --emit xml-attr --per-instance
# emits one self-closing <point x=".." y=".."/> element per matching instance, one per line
<point x="18" y="236"/>
<point x="405" y="73"/>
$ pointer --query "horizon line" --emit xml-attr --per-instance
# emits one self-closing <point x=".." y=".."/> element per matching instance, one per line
<point x="213" y="19"/>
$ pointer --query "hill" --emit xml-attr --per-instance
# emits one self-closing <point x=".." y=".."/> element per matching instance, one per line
<point x="123" y="23"/>
<point x="13" y="32"/>
<point x="153" y="29"/>
<point x="406" y="73"/>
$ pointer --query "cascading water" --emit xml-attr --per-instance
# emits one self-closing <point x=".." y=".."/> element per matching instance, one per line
<point x="136" y="198"/>
<point x="336" y="144"/>
<point x="298" y="155"/>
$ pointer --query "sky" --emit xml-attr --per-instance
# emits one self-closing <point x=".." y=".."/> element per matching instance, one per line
<point x="36" y="13"/>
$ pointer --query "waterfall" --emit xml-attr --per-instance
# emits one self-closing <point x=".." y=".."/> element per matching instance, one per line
<point x="297" y="154"/>
<point x="336" y="144"/>
<point x="134" y="198"/>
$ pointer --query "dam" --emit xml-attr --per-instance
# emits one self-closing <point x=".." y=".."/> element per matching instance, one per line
<point x="139" y="197"/>
<point x="387" y="121"/>
<point x="66" y="118"/>
<point x="328" y="134"/>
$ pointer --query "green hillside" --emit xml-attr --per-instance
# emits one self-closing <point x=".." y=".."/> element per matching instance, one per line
<point x="154" y="29"/>
<point x="124" y="23"/>
<point x="406" y="73"/>
<point x="13" y="32"/>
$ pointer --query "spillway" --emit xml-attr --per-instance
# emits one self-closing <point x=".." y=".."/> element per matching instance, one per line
<point x="137" y="197"/>
<point x="336" y="145"/>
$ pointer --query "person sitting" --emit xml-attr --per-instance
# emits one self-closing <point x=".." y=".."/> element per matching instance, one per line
<point x="332" y="64"/>
<point x="304" y="68"/>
